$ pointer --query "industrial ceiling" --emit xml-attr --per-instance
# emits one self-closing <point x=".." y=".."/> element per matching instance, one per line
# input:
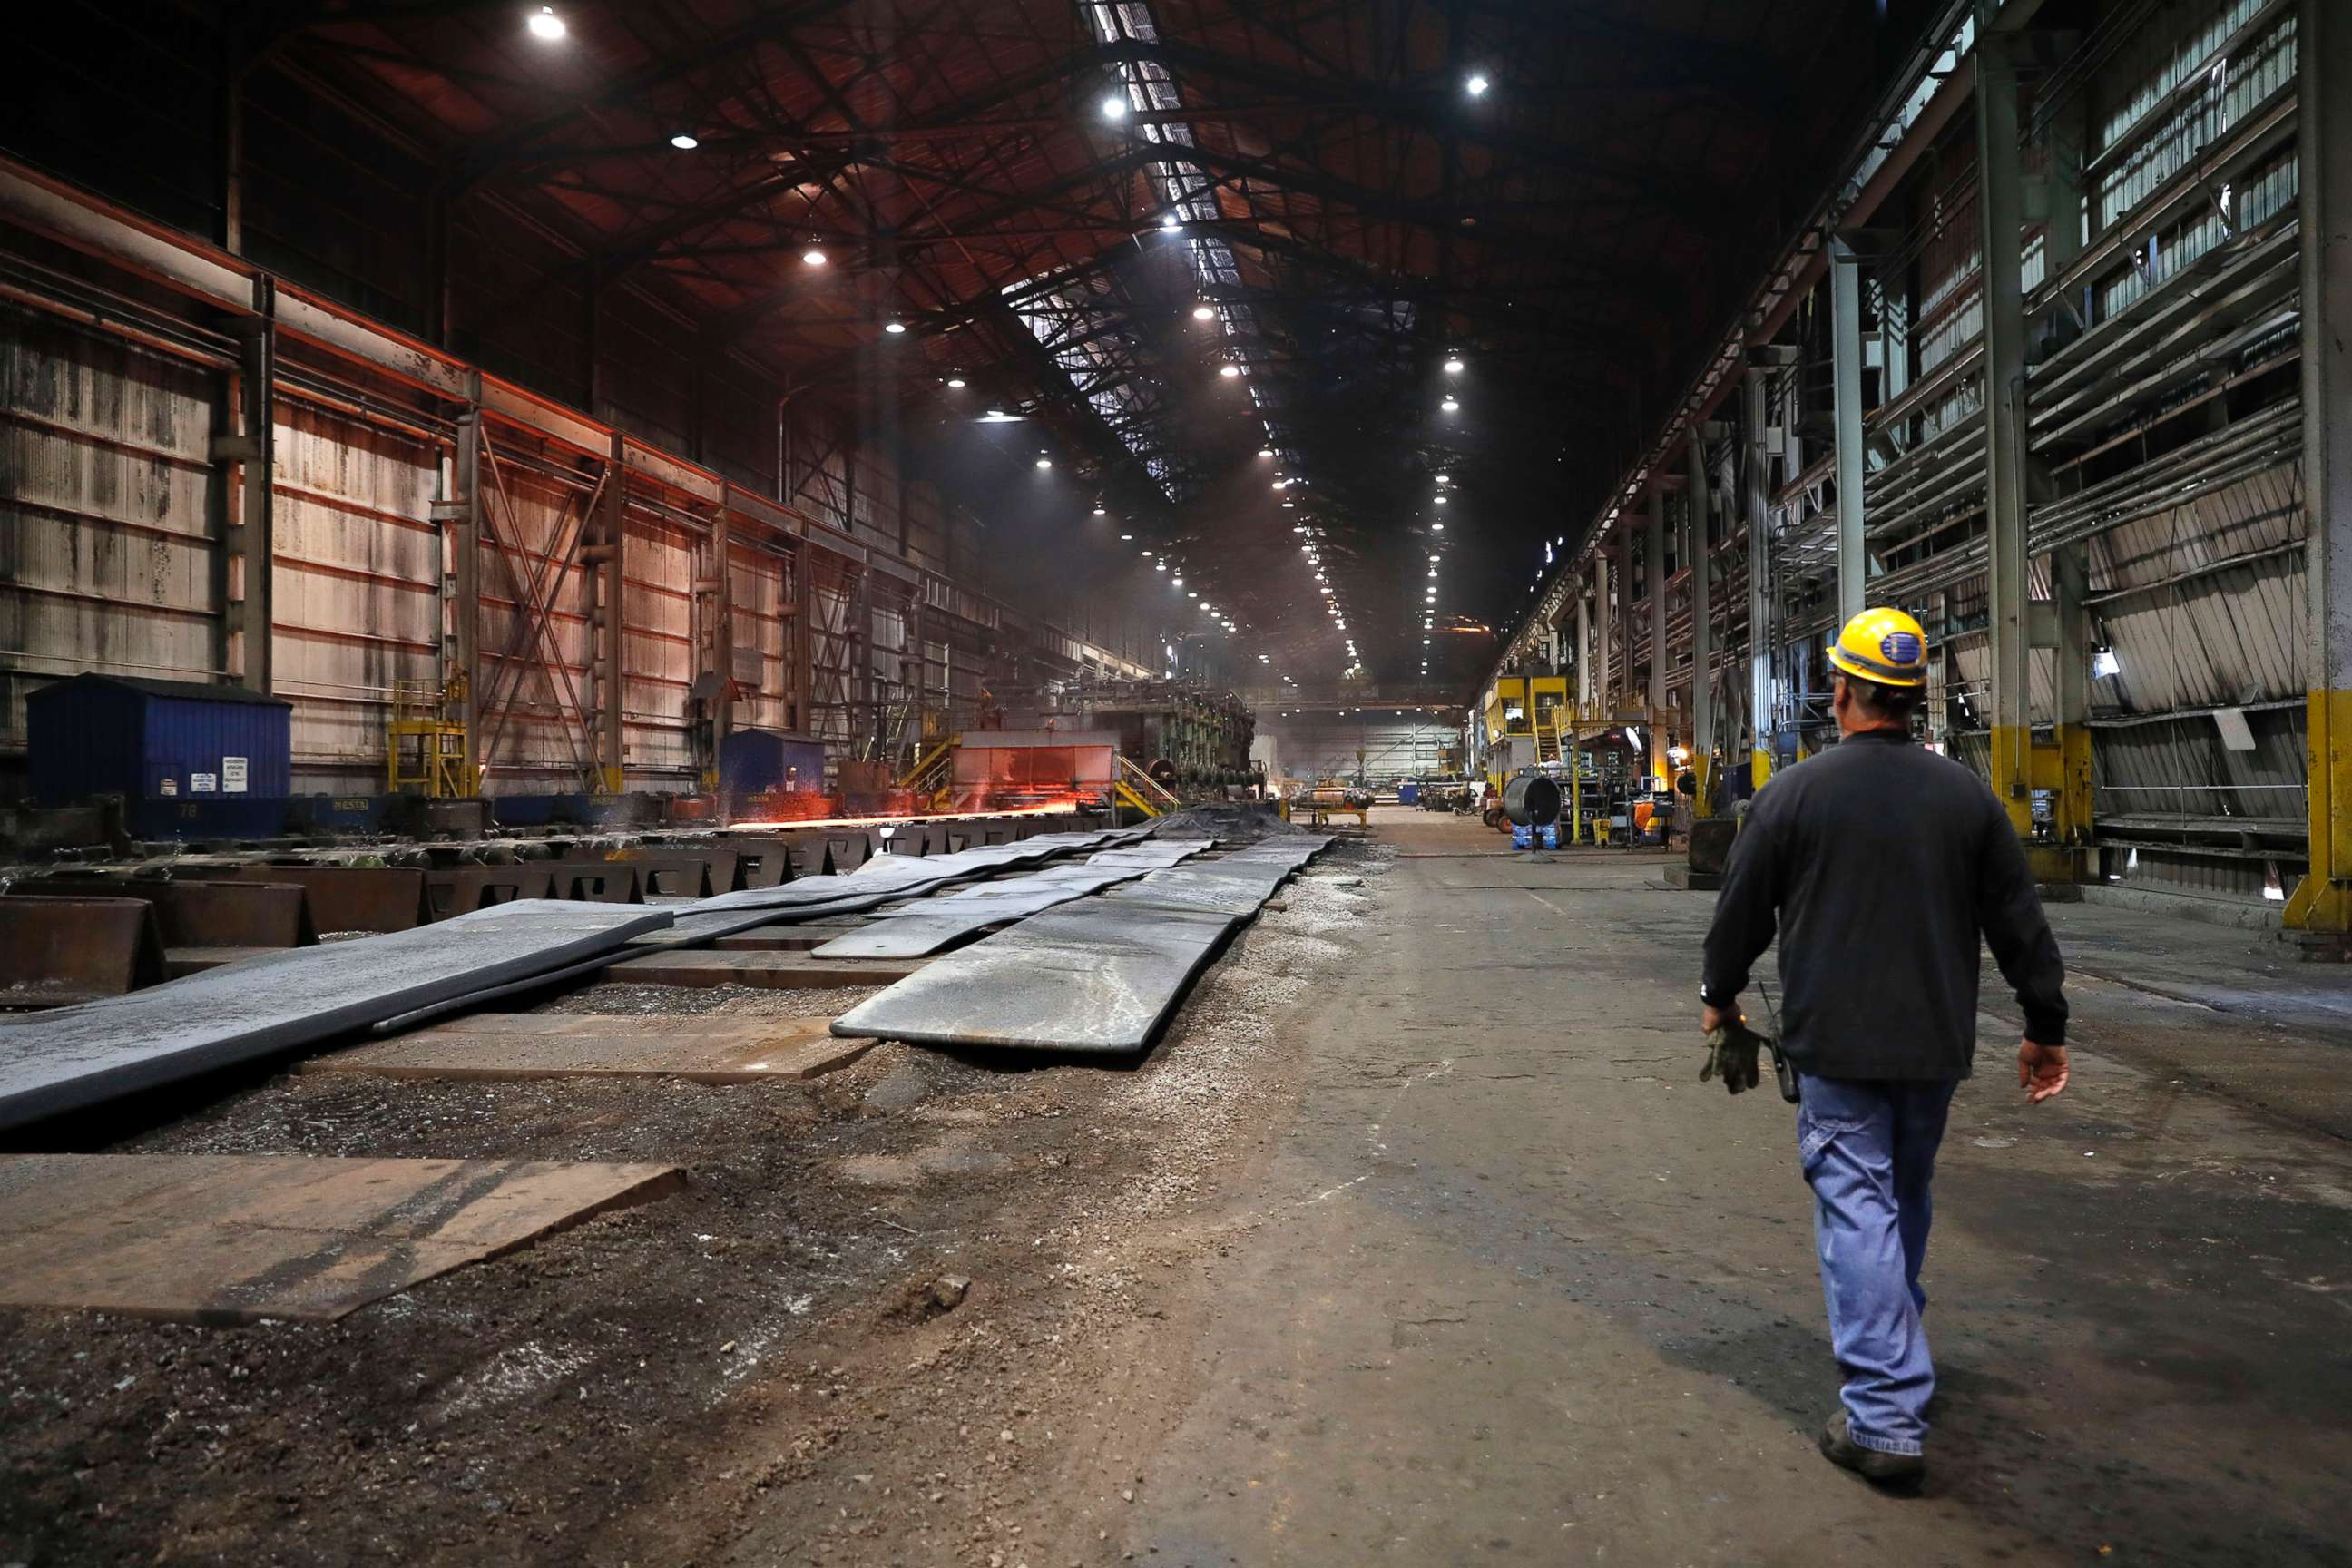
<point x="1216" y="255"/>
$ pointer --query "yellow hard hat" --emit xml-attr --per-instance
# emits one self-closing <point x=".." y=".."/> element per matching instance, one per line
<point x="1885" y="646"/>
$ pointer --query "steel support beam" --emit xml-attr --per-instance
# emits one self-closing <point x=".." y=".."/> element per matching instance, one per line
<point x="2323" y="903"/>
<point x="1703" y="759"/>
<point x="2055" y="199"/>
<point x="1761" y="694"/>
<point x="1604" y="629"/>
<point x="1845" y="332"/>
<point x="610" y="665"/>
<point x="462" y="588"/>
<point x="865" y="718"/>
<point x="800" y="641"/>
<point x="1654" y="546"/>
<point x="2000" y="210"/>
<point x="250" y="550"/>
<point x="1584" y="686"/>
<point x="2070" y="586"/>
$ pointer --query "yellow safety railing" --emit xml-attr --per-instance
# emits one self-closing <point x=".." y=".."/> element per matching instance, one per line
<point x="933" y="770"/>
<point x="424" y="747"/>
<point x="1141" y="790"/>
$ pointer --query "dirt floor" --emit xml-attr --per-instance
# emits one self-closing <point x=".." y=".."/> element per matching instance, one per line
<point x="905" y="1312"/>
<point x="1415" y="1241"/>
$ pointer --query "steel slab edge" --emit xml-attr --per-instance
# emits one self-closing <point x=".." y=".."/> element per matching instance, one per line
<point x="1095" y="978"/>
<point x="921" y="930"/>
<point x="75" y="1057"/>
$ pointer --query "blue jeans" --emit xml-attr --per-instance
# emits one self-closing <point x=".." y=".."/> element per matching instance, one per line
<point x="1868" y="1148"/>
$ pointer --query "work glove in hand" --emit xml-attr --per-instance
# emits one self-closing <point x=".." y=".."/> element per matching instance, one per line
<point x="1731" y="1055"/>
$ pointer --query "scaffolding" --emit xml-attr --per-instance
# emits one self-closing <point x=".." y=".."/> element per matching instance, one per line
<point x="424" y="747"/>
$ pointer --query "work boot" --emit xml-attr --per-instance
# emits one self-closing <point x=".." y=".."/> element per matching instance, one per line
<point x="1838" y="1449"/>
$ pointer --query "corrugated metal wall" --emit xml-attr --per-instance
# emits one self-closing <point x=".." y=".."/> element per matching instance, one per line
<point x="358" y="581"/>
<point x="107" y="499"/>
<point x="1324" y="745"/>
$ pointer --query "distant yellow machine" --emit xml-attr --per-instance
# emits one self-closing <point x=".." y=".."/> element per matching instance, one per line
<point x="425" y="749"/>
<point x="1321" y="802"/>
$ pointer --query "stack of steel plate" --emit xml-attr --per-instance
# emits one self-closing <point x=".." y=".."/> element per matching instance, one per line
<point x="919" y="930"/>
<point x="1100" y="974"/>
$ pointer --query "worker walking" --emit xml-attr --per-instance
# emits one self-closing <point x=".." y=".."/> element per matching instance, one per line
<point x="1881" y="864"/>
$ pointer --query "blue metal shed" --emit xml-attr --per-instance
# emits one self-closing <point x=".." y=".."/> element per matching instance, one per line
<point x="751" y="759"/>
<point x="156" y="740"/>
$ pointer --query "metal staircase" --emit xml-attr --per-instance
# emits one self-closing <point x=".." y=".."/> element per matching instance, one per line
<point x="1141" y="790"/>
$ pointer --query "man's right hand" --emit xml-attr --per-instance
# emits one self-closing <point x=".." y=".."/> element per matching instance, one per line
<point x="2041" y="1070"/>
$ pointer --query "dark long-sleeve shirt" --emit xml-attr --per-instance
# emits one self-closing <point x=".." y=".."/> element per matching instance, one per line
<point x="1881" y="864"/>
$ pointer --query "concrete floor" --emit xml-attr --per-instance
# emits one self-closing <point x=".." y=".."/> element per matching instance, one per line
<point x="1513" y="1285"/>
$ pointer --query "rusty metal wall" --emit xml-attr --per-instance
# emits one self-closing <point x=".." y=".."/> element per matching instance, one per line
<point x="533" y="673"/>
<point x="358" y="585"/>
<point x="657" y="672"/>
<point x="760" y="590"/>
<point x="108" y="511"/>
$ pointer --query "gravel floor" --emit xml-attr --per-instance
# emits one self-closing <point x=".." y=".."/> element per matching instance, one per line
<point x="775" y="1365"/>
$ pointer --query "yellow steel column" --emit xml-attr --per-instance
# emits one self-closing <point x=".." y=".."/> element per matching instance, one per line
<point x="2000" y="209"/>
<point x="2323" y="904"/>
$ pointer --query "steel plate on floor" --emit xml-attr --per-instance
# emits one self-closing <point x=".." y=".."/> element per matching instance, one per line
<point x="75" y="1057"/>
<point x="1088" y="977"/>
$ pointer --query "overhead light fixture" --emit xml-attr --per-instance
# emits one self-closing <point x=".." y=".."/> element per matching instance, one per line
<point x="1114" y="105"/>
<point x="1099" y="512"/>
<point x="1194" y="595"/>
<point x="1437" y="527"/>
<point x="1452" y="367"/>
<point x="1126" y="536"/>
<point x="955" y="383"/>
<point x="1476" y="86"/>
<point x="812" y="257"/>
<point x="1178" y="582"/>
<point x="1442" y="500"/>
<point x="1288" y="505"/>
<point x="1266" y="451"/>
<point x="686" y="141"/>
<point x="1450" y="404"/>
<point x="1229" y="370"/>
<point x="1169" y="224"/>
<point x="1444" y="479"/>
<point x="545" y="25"/>
<point x="1045" y="462"/>
<point x="894" y="328"/>
<point x="1202" y="312"/>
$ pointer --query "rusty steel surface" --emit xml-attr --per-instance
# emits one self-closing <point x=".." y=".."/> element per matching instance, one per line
<point x="462" y="889"/>
<point x="190" y="913"/>
<point x="56" y="951"/>
<point x="345" y="898"/>
<point x="598" y="881"/>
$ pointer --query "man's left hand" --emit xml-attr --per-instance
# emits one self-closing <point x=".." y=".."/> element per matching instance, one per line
<point x="1711" y="1017"/>
<point x="1734" y="1052"/>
